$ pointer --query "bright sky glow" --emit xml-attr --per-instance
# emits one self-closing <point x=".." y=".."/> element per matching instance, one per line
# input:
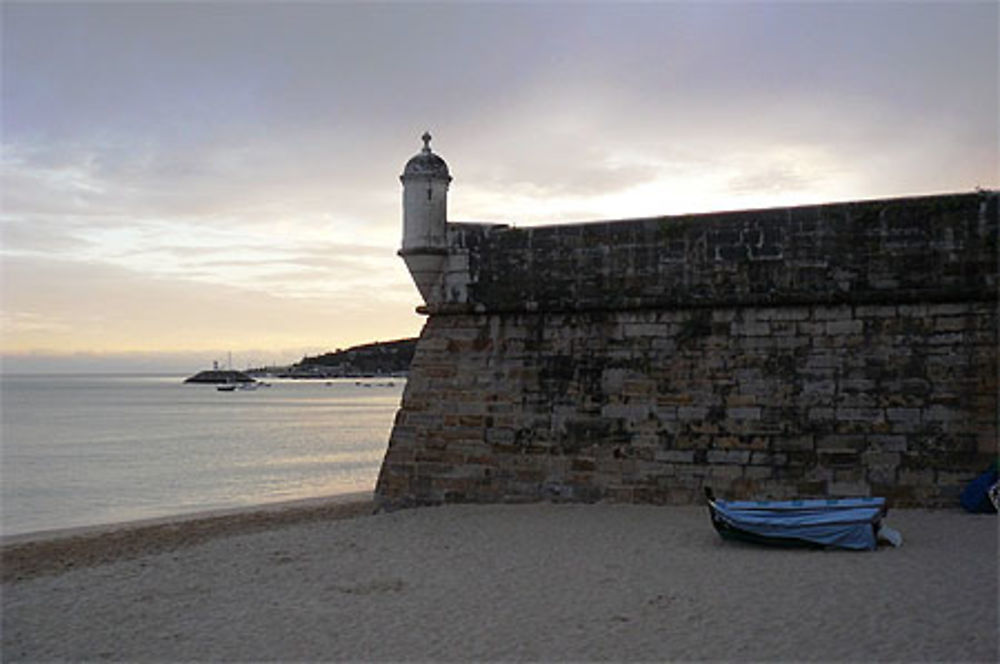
<point x="185" y="179"/>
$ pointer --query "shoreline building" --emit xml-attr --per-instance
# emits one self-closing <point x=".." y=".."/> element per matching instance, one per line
<point x="822" y="350"/>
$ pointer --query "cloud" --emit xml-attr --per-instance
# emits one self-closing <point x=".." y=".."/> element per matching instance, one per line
<point x="35" y="236"/>
<point x="76" y="307"/>
<point x="238" y="162"/>
<point x="221" y="238"/>
<point x="532" y="101"/>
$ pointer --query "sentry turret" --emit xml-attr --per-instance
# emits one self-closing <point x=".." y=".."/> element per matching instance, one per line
<point x="425" y="181"/>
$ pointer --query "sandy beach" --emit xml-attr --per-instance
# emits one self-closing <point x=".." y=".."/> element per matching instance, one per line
<point x="539" y="582"/>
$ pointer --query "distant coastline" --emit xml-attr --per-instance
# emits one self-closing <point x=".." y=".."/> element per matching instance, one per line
<point x="381" y="358"/>
<point x="378" y="358"/>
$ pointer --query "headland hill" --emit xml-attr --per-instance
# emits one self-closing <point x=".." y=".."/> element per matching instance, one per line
<point x="380" y="358"/>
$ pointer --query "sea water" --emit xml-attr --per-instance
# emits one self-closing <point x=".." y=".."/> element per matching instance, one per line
<point x="81" y="450"/>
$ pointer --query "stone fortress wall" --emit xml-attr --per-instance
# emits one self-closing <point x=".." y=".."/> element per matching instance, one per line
<point x="844" y="349"/>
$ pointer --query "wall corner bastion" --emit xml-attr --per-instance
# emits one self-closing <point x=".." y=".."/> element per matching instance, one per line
<point x="824" y="350"/>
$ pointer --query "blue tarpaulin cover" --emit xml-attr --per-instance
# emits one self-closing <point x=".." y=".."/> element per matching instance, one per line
<point x="976" y="496"/>
<point x="848" y="523"/>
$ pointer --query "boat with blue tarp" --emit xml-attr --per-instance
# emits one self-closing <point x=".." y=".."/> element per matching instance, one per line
<point x="848" y="523"/>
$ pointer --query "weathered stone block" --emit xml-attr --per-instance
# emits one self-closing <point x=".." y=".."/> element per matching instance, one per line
<point x="910" y="477"/>
<point x="842" y="327"/>
<point x="725" y="472"/>
<point x="848" y="489"/>
<point x="692" y="412"/>
<point x="887" y="443"/>
<point x="908" y="415"/>
<point x="939" y="413"/>
<point x="951" y="324"/>
<point x="750" y="329"/>
<point x="821" y="413"/>
<point x="741" y="457"/>
<point x="674" y="456"/>
<point x="743" y="413"/>
<point x="848" y="414"/>
<point x="951" y="308"/>
<point x="773" y="459"/>
<point x="498" y="436"/>
<point x="757" y="473"/>
<point x="875" y="311"/>
<point x="835" y="312"/>
<point x="627" y="412"/>
<point x="793" y="443"/>
<point x="811" y="328"/>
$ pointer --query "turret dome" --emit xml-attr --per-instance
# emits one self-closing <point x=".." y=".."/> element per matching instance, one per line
<point x="426" y="163"/>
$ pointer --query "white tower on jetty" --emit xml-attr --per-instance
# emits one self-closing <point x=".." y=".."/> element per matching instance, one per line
<point x="425" y="181"/>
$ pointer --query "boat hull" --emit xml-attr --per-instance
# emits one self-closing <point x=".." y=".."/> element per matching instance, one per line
<point x="851" y="523"/>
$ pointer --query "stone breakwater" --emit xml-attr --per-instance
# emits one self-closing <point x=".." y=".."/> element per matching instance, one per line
<point x="846" y="349"/>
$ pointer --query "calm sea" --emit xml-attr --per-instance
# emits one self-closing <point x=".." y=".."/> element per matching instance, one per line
<point x="81" y="450"/>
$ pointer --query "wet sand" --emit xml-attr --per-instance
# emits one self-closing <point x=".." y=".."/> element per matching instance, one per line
<point x="327" y="581"/>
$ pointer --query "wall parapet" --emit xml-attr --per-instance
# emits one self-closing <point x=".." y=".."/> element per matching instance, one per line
<point x="934" y="248"/>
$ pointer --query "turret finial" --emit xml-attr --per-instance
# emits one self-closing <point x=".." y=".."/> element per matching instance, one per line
<point x="427" y="141"/>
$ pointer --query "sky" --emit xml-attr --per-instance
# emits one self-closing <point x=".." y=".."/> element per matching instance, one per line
<point x="185" y="180"/>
